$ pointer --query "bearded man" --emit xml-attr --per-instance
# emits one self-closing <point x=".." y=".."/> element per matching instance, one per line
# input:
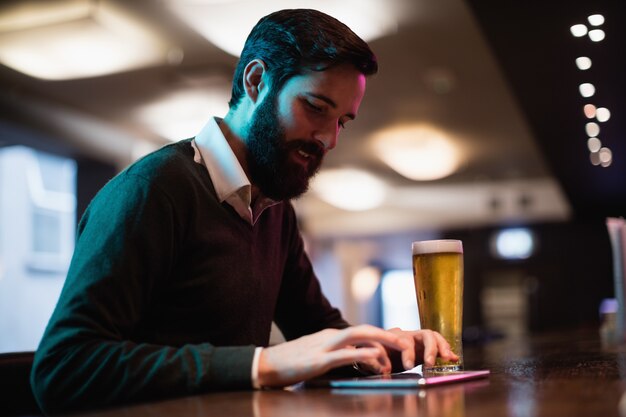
<point x="185" y="258"/>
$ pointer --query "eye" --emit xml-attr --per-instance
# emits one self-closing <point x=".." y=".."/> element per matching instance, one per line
<point x="313" y="107"/>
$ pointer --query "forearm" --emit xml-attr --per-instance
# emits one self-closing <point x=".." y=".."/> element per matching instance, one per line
<point x="96" y="373"/>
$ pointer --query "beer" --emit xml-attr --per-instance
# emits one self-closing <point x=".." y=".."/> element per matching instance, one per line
<point x="438" y="275"/>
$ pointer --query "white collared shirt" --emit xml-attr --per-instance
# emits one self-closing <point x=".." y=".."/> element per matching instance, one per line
<point x="231" y="183"/>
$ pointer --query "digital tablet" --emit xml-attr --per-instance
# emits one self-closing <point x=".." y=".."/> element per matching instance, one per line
<point x="407" y="379"/>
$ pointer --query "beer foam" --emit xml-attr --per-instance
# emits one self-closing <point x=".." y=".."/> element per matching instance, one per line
<point x="437" y="246"/>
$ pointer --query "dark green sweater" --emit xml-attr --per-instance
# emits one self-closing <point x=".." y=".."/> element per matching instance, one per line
<point x="169" y="291"/>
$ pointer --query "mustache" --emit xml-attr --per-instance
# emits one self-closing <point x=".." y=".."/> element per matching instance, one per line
<point x="313" y="148"/>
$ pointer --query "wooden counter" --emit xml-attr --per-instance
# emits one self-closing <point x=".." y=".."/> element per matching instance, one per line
<point x="564" y="374"/>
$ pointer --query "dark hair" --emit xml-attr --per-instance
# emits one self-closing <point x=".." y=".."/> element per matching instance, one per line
<point x="293" y="41"/>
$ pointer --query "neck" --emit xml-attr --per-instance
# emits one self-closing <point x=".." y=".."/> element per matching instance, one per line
<point x="233" y="128"/>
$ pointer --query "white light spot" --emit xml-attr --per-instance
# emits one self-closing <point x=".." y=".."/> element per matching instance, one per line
<point x="594" y="144"/>
<point x="590" y="111"/>
<point x="364" y="283"/>
<point x="603" y="114"/>
<point x="596" y="19"/>
<point x="594" y="157"/>
<point x="606" y="157"/>
<point x="578" y="30"/>
<point x="592" y="129"/>
<point x="583" y="63"/>
<point x="515" y="243"/>
<point x="587" y="89"/>
<point x="596" y="35"/>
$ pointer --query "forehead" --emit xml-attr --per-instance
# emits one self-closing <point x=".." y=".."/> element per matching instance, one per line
<point x="343" y="84"/>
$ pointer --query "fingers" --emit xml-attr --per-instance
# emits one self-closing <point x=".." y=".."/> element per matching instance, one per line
<point x="423" y="343"/>
<point x="383" y="363"/>
<point x="366" y="334"/>
<point x="430" y="347"/>
<point x="372" y="359"/>
<point x="408" y="356"/>
<point x="435" y="344"/>
<point x="443" y="347"/>
<point x="347" y="356"/>
<point x="372" y="337"/>
<point x="414" y="346"/>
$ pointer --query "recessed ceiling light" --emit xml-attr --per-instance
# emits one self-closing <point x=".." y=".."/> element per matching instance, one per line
<point x="182" y="113"/>
<point x="603" y="114"/>
<point x="417" y="152"/>
<point x="606" y="157"/>
<point x="594" y="157"/>
<point x="596" y="20"/>
<point x="349" y="188"/>
<point x="590" y="111"/>
<point x="592" y="129"/>
<point x="583" y="63"/>
<point x="596" y="35"/>
<point x="214" y="19"/>
<point x="587" y="90"/>
<point x="594" y="144"/>
<point x="578" y="30"/>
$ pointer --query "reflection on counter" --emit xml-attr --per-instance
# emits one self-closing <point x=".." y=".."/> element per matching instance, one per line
<point x="444" y="401"/>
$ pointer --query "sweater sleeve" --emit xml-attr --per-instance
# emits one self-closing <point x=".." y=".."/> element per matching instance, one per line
<point x="302" y="308"/>
<point x="127" y="245"/>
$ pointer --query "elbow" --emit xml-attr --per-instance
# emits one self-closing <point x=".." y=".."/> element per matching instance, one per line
<point x="51" y="385"/>
<point x="42" y="383"/>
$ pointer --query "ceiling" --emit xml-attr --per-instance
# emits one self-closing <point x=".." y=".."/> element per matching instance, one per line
<point x="537" y="53"/>
<point x="458" y="66"/>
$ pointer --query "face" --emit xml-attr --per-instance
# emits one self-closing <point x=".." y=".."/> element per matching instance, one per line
<point x="292" y="129"/>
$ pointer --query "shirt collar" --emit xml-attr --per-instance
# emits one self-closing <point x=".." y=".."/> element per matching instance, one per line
<point x="229" y="179"/>
<point x="225" y="170"/>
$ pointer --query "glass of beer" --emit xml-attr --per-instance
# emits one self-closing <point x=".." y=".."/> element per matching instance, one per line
<point x="438" y="275"/>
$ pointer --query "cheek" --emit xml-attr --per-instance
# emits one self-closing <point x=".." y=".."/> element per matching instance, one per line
<point x="294" y="120"/>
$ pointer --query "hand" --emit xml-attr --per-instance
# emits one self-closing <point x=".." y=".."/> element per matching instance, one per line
<point x="317" y="353"/>
<point x="423" y="346"/>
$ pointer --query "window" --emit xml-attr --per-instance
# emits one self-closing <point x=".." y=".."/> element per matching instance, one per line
<point x="399" y="304"/>
<point x="37" y="227"/>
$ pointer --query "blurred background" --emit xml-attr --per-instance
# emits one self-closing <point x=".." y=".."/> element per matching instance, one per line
<point x="499" y="123"/>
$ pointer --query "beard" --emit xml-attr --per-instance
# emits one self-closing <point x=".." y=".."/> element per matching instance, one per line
<point x="271" y="167"/>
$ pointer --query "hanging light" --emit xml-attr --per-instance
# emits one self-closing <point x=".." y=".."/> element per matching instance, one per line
<point x="417" y="152"/>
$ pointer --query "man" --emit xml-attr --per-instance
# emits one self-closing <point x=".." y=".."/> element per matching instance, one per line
<point x="184" y="259"/>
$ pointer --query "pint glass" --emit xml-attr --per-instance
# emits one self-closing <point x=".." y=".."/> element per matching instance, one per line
<point x="438" y="275"/>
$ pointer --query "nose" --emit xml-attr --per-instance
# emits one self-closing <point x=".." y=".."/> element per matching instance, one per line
<point x="327" y="136"/>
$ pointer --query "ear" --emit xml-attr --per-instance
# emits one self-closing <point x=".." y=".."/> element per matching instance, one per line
<point x="253" y="79"/>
